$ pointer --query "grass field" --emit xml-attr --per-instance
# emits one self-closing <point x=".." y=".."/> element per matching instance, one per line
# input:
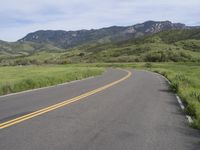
<point x="15" y="79"/>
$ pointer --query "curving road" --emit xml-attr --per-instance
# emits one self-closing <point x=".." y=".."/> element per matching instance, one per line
<point x="118" y="110"/>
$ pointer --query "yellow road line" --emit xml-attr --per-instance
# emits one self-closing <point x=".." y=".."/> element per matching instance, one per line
<point x="61" y="104"/>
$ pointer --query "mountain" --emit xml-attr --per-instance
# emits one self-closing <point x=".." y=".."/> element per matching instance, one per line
<point x="68" y="39"/>
<point x="148" y="41"/>
<point x="178" y="45"/>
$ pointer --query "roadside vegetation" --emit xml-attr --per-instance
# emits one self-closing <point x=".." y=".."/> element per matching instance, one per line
<point x="20" y="78"/>
<point x="185" y="79"/>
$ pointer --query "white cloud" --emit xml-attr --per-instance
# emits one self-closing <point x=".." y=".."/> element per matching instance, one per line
<point x="19" y="17"/>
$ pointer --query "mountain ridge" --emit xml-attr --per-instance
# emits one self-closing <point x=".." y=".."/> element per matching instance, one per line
<point x="152" y="41"/>
<point x="68" y="39"/>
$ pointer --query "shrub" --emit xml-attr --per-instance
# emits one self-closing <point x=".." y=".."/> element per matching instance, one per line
<point x="148" y="65"/>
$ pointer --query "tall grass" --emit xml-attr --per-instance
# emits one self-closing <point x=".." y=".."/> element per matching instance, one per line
<point x="15" y="79"/>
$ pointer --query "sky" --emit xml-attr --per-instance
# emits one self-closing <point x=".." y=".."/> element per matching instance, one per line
<point x="20" y="17"/>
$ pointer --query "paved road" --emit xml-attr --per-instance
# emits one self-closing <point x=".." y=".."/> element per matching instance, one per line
<point x="139" y="113"/>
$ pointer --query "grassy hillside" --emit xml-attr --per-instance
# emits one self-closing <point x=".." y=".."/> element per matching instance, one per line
<point x="161" y="47"/>
<point x="19" y="49"/>
<point x="15" y="79"/>
<point x="167" y="46"/>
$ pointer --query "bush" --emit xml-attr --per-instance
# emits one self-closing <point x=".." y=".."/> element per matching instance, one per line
<point x="166" y="56"/>
<point x="148" y="65"/>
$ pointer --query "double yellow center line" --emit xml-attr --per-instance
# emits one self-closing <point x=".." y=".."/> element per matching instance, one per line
<point x="61" y="104"/>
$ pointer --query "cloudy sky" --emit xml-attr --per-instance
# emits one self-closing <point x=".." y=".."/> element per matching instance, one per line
<point x="19" y="17"/>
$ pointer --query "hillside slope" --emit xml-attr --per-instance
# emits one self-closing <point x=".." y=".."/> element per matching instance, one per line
<point x="172" y="45"/>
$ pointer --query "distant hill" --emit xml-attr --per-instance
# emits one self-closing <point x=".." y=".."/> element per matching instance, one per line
<point x="68" y="39"/>
<point x="150" y="41"/>
<point x="14" y="49"/>
<point x="172" y="45"/>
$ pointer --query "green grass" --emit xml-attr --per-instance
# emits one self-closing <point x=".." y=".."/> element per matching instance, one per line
<point x="15" y="79"/>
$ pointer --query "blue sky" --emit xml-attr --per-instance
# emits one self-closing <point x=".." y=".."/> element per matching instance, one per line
<point x="19" y="17"/>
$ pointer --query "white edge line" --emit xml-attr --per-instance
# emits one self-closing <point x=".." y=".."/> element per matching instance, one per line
<point x="189" y="118"/>
<point x="180" y="102"/>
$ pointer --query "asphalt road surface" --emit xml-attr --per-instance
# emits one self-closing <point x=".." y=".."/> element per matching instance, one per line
<point x="128" y="111"/>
